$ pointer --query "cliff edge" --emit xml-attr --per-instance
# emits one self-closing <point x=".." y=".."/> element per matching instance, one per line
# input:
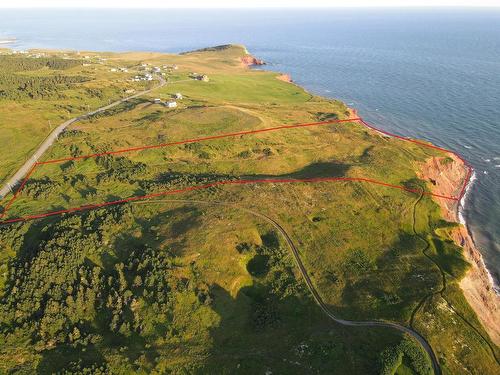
<point x="446" y="176"/>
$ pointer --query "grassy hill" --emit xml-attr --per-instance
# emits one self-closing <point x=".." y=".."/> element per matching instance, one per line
<point x="199" y="282"/>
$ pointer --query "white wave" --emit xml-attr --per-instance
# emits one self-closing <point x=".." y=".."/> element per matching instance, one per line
<point x="497" y="166"/>
<point x="487" y="160"/>
<point x="461" y="218"/>
<point x="461" y="207"/>
<point x="467" y="147"/>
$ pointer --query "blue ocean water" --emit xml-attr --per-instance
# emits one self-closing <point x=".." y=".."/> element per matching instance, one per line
<point x="430" y="74"/>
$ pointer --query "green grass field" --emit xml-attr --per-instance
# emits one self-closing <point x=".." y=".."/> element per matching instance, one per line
<point x="193" y="282"/>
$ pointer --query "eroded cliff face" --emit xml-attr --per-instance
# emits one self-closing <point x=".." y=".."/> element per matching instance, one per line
<point x="285" y="77"/>
<point x="446" y="176"/>
<point x="477" y="286"/>
<point x="249" y="60"/>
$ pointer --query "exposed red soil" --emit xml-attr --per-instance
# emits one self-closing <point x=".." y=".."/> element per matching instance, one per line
<point x="250" y="60"/>
<point x="285" y="78"/>
<point x="444" y="175"/>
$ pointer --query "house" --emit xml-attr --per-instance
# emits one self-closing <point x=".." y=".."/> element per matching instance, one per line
<point x="157" y="101"/>
<point x="200" y="77"/>
<point x="177" y="95"/>
<point x="156" y="69"/>
<point x="113" y="70"/>
<point x="171" y="104"/>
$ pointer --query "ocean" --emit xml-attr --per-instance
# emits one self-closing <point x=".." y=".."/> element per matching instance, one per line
<point x="430" y="74"/>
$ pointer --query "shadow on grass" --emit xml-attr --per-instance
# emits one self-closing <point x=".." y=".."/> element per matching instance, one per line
<point x="319" y="169"/>
<point x="261" y="331"/>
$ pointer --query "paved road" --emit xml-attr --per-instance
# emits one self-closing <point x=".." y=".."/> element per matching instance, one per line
<point x="295" y="252"/>
<point x="52" y="137"/>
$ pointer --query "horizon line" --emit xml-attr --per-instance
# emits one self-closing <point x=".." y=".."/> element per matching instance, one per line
<point x="475" y="6"/>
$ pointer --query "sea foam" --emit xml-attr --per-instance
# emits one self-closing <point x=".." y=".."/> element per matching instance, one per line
<point x="461" y="207"/>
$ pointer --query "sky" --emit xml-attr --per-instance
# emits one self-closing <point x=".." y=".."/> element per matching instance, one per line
<point x="241" y="3"/>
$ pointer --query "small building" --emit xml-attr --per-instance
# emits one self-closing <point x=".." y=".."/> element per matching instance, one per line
<point x="171" y="104"/>
<point x="177" y="95"/>
<point x="200" y="77"/>
<point x="156" y="69"/>
<point x="113" y="70"/>
<point x="157" y="101"/>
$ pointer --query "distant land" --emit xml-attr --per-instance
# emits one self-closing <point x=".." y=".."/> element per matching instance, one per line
<point x="7" y="40"/>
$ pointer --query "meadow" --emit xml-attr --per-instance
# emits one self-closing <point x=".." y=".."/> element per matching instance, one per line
<point x="194" y="282"/>
<point x="39" y="93"/>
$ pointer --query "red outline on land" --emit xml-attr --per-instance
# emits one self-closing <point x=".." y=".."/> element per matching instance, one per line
<point x="231" y="182"/>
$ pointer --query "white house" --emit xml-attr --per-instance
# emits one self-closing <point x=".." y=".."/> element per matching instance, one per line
<point x="157" y="101"/>
<point x="177" y="95"/>
<point x="171" y="104"/>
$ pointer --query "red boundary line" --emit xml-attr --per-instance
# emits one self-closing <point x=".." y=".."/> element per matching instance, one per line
<point x="229" y="182"/>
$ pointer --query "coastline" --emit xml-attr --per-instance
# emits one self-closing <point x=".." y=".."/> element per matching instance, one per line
<point x="477" y="285"/>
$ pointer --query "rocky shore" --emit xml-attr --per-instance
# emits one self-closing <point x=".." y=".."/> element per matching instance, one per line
<point x="446" y="177"/>
<point x="250" y="60"/>
<point x="285" y="77"/>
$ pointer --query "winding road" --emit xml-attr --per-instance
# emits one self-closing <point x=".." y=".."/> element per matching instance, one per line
<point x="10" y="184"/>
<point x="296" y="255"/>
